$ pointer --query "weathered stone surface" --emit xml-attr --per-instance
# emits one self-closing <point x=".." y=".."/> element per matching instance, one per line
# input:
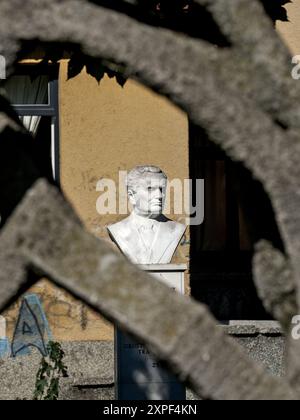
<point x="252" y="328"/>
<point x="91" y="364"/>
<point x="93" y="393"/>
<point x="18" y="376"/>
<point x="266" y="350"/>
<point x="274" y="282"/>
<point x="263" y="341"/>
<point x="277" y="289"/>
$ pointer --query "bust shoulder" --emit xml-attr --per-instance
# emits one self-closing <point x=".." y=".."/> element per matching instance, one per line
<point x="173" y="228"/>
<point x="120" y="228"/>
<point x="125" y="226"/>
<point x="128" y="237"/>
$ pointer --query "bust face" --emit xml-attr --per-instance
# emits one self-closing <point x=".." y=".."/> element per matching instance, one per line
<point x="148" y="196"/>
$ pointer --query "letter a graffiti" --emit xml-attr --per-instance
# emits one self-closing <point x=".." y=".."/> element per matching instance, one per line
<point x="32" y="329"/>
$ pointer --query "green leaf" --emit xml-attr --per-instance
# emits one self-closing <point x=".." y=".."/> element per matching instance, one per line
<point x="43" y="384"/>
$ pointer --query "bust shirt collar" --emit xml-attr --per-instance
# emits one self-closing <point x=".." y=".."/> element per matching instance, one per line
<point x="144" y="222"/>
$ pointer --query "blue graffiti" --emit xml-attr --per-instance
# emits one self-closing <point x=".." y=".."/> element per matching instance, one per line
<point x="32" y="328"/>
<point x="4" y="348"/>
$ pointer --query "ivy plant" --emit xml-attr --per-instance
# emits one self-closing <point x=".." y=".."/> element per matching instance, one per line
<point x="52" y="369"/>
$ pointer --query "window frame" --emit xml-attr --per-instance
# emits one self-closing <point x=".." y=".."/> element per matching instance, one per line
<point x="43" y="110"/>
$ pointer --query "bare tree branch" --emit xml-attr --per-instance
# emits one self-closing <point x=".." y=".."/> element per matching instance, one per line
<point x="264" y="59"/>
<point x="275" y="283"/>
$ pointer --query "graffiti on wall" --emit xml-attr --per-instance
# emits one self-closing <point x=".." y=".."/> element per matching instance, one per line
<point x="31" y="330"/>
<point x="69" y="319"/>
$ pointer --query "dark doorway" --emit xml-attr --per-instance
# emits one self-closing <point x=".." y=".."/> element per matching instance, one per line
<point x="237" y="214"/>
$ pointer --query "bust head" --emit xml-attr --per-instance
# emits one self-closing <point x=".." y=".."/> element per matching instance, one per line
<point x="146" y="186"/>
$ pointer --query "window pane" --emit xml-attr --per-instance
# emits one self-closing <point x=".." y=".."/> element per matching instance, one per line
<point x="24" y="90"/>
<point x="31" y="123"/>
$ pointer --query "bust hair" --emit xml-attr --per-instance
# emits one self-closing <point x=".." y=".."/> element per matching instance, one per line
<point x="139" y="172"/>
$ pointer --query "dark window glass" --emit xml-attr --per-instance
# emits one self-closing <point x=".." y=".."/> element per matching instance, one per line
<point x="27" y="90"/>
<point x="237" y="214"/>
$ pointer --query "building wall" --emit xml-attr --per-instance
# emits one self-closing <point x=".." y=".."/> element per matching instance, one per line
<point x="290" y="31"/>
<point x="107" y="128"/>
<point x="104" y="129"/>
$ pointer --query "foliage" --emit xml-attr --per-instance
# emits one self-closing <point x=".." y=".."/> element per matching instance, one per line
<point x="179" y="15"/>
<point x="97" y="68"/>
<point x="51" y="370"/>
<point x="275" y="9"/>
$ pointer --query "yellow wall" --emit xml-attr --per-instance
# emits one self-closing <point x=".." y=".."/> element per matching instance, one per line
<point x="103" y="129"/>
<point x="290" y="31"/>
<point x="106" y="128"/>
<point x="69" y="319"/>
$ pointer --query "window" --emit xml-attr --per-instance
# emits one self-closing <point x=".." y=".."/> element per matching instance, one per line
<point x="33" y="91"/>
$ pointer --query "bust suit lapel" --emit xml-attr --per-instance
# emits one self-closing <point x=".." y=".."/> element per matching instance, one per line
<point x="126" y="235"/>
<point x="169" y="237"/>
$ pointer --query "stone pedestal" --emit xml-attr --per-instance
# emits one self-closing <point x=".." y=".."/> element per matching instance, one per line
<point x="138" y="375"/>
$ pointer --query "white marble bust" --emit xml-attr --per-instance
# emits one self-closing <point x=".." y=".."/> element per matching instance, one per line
<point x="147" y="236"/>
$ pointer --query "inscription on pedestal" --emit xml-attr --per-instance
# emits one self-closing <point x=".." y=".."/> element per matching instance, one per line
<point x="139" y="375"/>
